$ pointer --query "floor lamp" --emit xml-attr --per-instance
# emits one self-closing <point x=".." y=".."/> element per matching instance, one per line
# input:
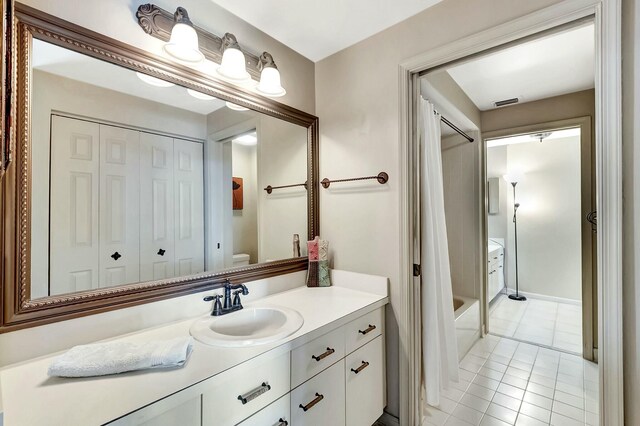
<point x="513" y="179"/>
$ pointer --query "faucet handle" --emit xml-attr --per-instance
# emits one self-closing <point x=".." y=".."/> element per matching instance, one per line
<point x="236" y="299"/>
<point x="217" y="306"/>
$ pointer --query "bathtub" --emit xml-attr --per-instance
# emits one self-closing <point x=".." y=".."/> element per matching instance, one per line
<point x="467" y="314"/>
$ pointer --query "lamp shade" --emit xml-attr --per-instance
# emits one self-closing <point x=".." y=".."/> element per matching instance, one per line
<point x="153" y="80"/>
<point x="233" y="65"/>
<point x="183" y="44"/>
<point x="200" y="95"/>
<point x="235" y="107"/>
<point x="270" y="83"/>
<point x="513" y="176"/>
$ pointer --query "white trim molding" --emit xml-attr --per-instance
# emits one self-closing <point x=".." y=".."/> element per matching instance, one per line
<point x="607" y="15"/>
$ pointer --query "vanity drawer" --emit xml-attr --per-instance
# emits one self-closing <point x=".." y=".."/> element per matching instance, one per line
<point x="260" y="385"/>
<point x="315" y="356"/>
<point x="276" y="414"/>
<point x="322" y="397"/>
<point x="363" y="330"/>
<point x="364" y="372"/>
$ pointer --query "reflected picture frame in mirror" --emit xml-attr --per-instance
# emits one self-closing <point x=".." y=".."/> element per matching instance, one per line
<point x="19" y="309"/>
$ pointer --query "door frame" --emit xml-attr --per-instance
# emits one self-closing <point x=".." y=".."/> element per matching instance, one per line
<point x="608" y="155"/>
<point x="588" y="203"/>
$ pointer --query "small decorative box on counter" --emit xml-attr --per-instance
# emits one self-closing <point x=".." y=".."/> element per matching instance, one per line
<point x="318" y="274"/>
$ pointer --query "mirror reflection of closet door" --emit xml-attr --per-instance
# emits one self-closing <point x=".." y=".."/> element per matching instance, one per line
<point x="75" y="178"/>
<point x="119" y="206"/>
<point x="156" y="207"/>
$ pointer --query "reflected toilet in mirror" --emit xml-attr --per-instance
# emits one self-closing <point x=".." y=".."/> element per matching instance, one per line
<point x="137" y="179"/>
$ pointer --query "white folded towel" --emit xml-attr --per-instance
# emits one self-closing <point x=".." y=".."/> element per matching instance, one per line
<point x="101" y="359"/>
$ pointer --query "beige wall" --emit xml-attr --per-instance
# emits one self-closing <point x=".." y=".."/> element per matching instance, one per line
<point x="245" y="222"/>
<point x="631" y="207"/>
<point x="357" y="102"/>
<point x="578" y="104"/>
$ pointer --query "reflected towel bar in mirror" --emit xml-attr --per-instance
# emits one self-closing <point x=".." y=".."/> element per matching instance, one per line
<point x="381" y="177"/>
<point x="270" y="188"/>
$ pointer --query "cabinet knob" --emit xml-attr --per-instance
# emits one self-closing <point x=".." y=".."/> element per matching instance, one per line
<point x="116" y="256"/>
<point x="161" y="252"/>
<point x="282" y="422"/>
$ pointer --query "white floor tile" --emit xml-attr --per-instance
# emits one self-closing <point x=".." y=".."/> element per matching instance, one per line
<point x="447" y="405"/>
<point x="502" y="413"/>
<point x="536" y="412"/>
<point x="474" y="402"/>
<point x="486" y="382"/>
<point x="540" y="390"/>
<point x="454" y="421"/>
<point x="492" y="374"/>
<point x="507" y="401"/>
<point x="539" y="400"/>
<point x="513" y="371"/>
<point x="568" y="411"/>
<point x="481" y="391"/>
<point x="523" y="420"/>
<point x="515" y="381"/>
<point x="511" y="391"/>
<point x="543" y="380"/>
<point x="569" y="399"/>
<point x="467" y="414"/>
<point x="560" y="420"/>
<point x="492" y="421"/>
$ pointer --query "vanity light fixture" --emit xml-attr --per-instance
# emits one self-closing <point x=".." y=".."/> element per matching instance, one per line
<point x="269" y="77"/>
<point x="233" y="65"/>
<point x="235" y="107"/>
<point x="200" y="95"/>
<point x="183" y="44"/>
<point x="153" y="81"/>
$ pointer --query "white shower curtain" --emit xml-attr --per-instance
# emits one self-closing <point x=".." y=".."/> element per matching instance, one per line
<point x="439" y="347"/>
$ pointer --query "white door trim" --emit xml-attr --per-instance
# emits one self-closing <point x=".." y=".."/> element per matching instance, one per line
<point x="608" y="188"/>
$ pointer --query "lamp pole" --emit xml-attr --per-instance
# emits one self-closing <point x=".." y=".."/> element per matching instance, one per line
<point x="516" y="296"/>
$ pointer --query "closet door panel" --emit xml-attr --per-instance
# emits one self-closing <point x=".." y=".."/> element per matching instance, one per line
<point x="73" y="212"/>
<point x="119" y="206"/>
<point x="188" y="207"/>
<point x="157" y="207"/>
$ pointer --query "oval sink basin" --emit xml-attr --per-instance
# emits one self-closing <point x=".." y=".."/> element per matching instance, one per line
<point x="248" y="327"/>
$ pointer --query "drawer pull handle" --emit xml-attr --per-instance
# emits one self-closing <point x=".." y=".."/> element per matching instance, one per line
<point x="310" y="405"/>
<point x="253" y="394"/>
<point x="368" y="329"/>
<point x="282" y="422"/>
<point x="322" y="356"/>
<point x="364" y="365"/>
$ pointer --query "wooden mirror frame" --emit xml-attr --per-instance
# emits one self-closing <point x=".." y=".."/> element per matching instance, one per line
<point x="18" y="310"/>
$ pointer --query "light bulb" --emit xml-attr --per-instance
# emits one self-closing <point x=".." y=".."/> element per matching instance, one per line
<point x="200" y="95"/>
<point x="183" y="44"/>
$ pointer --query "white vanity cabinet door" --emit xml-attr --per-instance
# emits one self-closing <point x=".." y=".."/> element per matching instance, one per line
<point x="275" y="414"/>
<point x="119" y="206"/>
<point x="324" y="399"/>
<point x="182" y="409"/>
<point x="75" y="180"/>
<point x="221" y="404"/>
<point x="363" y="330"/>
<point x="317" y="355"/>
<point x="156" y="207"/>
<point x="189" y="207"/>
<point x="364" y="371"/>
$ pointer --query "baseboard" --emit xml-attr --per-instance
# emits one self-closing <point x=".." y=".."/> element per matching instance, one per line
<point x="388" y="420"/>
<point x="545" y="297"/>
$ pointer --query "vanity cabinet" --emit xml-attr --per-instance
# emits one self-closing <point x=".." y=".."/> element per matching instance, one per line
<point x="495" y="272"/>
<point x="335" y="379"/>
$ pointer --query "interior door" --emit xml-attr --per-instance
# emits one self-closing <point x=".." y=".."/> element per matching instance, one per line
<point x="188" y="207"/>
<point x="119" y="206"/>
<point x="74" y="197"/>
<point x="157" y="207"/>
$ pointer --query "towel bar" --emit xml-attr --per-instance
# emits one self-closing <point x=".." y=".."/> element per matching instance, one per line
<point x="381" y="177"/>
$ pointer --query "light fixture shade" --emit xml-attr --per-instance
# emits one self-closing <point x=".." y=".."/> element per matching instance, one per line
<point x="200" y="95"/>
<point x="233" y="65"/>
<point x="183" y="44"/>
<point x="270" y="83"/>
<point x="235" y="107"/>
<point x="153" y="80"/>
<point x="513" y="176"/>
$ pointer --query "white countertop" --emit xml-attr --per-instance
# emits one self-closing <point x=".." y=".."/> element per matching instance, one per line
<point x="31" y="397"/>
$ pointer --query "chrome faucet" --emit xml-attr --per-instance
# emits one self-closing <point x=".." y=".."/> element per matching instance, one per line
<point x="229" y="305"/>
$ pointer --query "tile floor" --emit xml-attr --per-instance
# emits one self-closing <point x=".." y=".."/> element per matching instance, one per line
<point x="552" y="324"/>
<point x="506" y="382"/>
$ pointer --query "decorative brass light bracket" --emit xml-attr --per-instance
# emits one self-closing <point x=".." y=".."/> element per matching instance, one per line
<point x="158" y="23"/>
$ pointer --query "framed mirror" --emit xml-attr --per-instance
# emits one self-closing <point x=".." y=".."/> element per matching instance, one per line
<point x="136" y="178"/>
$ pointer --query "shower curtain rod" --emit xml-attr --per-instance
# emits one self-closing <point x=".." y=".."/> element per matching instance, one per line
<point x="456" y="129"/>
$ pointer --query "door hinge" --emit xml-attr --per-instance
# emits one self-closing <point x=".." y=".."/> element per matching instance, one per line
<point x="416" y="270"/>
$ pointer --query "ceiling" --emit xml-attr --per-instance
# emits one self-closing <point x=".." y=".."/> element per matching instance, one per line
<point x="67" y="63"/>
<point x="554" y="65"/>
<point x="317" y="29"/>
